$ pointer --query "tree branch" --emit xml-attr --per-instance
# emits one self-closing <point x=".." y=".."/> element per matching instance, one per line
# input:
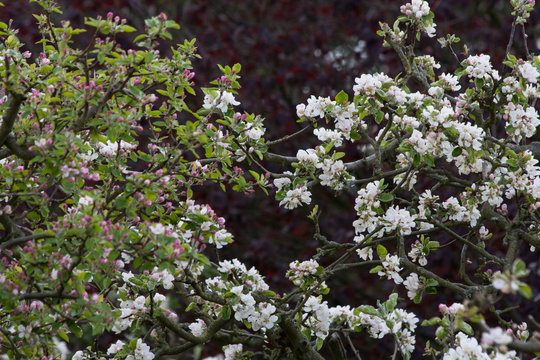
<point x="46" y="295"/>
<point x="16" y="149"/>
<point x="8" y="121"/>
<point x="298" y="342"/>
<point x="22" y="240"/>
<point x="288" y="137"/>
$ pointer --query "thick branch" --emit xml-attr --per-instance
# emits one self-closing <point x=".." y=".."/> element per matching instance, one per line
<point x="498" y="219"/>
<point x="531" y="346"/>
<point x="8" y="224"/>
<point x="532" y="240"/>
<point x="533" y="147"/>
<point x="298" y="341"/>
<point x="371" y="159"/>
<point x="513" y="246"/>
<point x="240" y="337"/>
<point x="526" y="347"/>
<point x="22" y="240"/>
<point x="209" y="333"/>
<point x="174" y="350"/>
<point x="16" y="149"/>
<point x="336" y="347"/>
<point x="186" y="335"/>
<point x="10" y="115"/>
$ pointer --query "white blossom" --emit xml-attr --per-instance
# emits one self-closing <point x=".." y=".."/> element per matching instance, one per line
<point x="478" y="66"/>
<point x="412" y="283"/>
<point x="281" y="182"/>
<point x="233" y="351"/>
<point x="505" y="282"/>
<point x="523" y="121"/>
<point x="255" y="133"/>
<point x="496" y="336"/>
<point x="308" y="156"/>
<point x="450" y="81"/>
<point x="296" y="197"/>
<point x="401" y="219"/>
<point x="368" y="84"/>
<point x="328" y="135"/>
<point x="197" y="328"/>
<point x="529" y="72"/>
<point x="219" y="100"/>
<point x="391" y="268"/>
<point x="157" y="229"/>
<point x="467" y="348"/>
<point x="142" y="352"/>
<point x="116" y="347"/>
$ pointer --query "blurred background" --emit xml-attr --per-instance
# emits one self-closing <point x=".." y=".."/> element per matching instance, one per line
<point x="290" y="50"/>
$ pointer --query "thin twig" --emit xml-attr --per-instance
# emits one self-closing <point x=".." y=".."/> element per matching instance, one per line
<point x="288" y="137"/>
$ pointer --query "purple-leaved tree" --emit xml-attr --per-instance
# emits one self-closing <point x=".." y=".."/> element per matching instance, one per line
<point x="105" y="254"/>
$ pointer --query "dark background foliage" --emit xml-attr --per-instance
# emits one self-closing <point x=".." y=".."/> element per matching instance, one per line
<point x="288" y="51"/>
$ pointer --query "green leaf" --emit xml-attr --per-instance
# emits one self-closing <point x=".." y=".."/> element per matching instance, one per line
<point x="171" y="24"/>
<point x="416" y="159"/>
<point x="202" y="259"/>
<point x="476" y="318"/>
<point x="140" y="37"/>
<point x="441" y="333"/>
<point x="466" y="328"/>
<point x="63" y="335"/>
<point x="518" y="266"/>
<point x="342" y="97"/>
<point x="97" y="329"/>
<point x="386" y="197"/>
<point x="338" y="155"/>
<point x="367" y="309"/>
<point x="525" y="290"/>
<point x="226" y="312"/>
<point x="457" y="151"/>
<point x="381" y="251"/>
<point x="379" y="116"/>
<point x="391" y="303"/>
<point x="127" y="28"/>
<point x="433" y="321"/>
<point x="479" y="83"/>
<point x="75" y="329"/>
<point x="428" y="159"/>
<point x="255" y="175"/>
<point x="319" y="343"/>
